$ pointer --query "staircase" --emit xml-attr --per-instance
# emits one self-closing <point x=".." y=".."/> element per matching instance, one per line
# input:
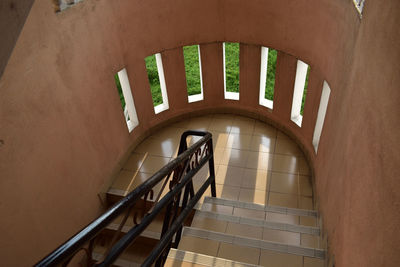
<point x="254" y="234"/>
<point x="234" y="233"/>
<point x="260" y="214"/>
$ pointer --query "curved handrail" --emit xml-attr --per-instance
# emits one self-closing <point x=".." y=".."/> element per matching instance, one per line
<point x="69" y="248"/>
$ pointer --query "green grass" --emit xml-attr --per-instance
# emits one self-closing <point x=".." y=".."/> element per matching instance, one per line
<point x="192" y="69"/>
<point x="121" y="95"/>
<point x="271" y="69"/>
<point x="232" y="67"/>
<point x="303" y="100"/>
<point x="154" y="80"/>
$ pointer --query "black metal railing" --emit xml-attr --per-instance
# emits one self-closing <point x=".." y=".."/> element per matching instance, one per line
<point x="179" y="172"/>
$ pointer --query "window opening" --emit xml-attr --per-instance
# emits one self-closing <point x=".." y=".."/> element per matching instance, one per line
<point x="323" y="105"/>
<point x="194" y="81"/>
<point x="155" y="73"/>
<point x="300" y="92"/>
<point x="126" y="98"/>
<point x="231" y="70"/>
<point x="267" y="76"/>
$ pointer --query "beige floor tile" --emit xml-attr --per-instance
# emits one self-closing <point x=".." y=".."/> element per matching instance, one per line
<point x="171" y="133"/>
<point x="284" y="237"/>
<point x="191" y="140"/>
<point x="235" y="157"/>
<point x="310" y="241"/>
<point x="305" y="186"/>
<point x="199" y="245"/>
<point x="239" y="253"/>
<point x="306" y="203"/>
<point x="218" y="155"/>
<point x="244" y="230"/>
<point x="262" y="143"/>
<point x="229" y="175"/>
<point x="313" y="262"/>
<point x="219" y="139"/>
<point x="142" y="177"/>
<point x="217" y="208"/>
<point x="285" y="163"/>
<point x="259" y="161"/>
<point x="283" y="218"/>
<point x="175" y="263"/>
<point x="221" y="125"/>
<point x="243" y="125"/>
<point x="284" y="200"/>
<point x="288" y="147"/>
<point x="199" y="123"/>
<point x="153" y="164"/>
<point x="239" y="141"/>
<point x="308" y="221"/>
<point x="256" y="214"/>
<point x="227" y="191"/>
<point x="134" y="162"/>
<point x="256" y="179"/>
<point x="156" y="147"/>
<point x="284" y="183"/>
<point x="124" y="180"/>
<point x="253" y="196"/>
<point x="261" y="128"/>
<point x="202" y="175"/>
<point x="275" y="259"/>
<point x="209" y="224"/>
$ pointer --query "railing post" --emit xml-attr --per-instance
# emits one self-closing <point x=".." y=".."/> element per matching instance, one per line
<point x="212" y="169"/>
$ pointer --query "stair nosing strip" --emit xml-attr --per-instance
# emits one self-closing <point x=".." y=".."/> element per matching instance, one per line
<point x="260" y="223"/>
<point x="203" y="259"/>
<point x="266" y="208"/>
<point x="255" y="243"/>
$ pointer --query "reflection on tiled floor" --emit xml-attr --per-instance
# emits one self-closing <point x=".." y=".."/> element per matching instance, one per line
<point x="254" y="161"/>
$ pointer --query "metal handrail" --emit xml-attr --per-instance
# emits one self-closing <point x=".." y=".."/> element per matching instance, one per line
<point x="192" y="157"/>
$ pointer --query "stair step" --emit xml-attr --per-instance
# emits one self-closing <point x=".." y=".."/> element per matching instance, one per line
<point x="133" y="256"/>
<point x="249" y="242"/>
<point x="120" y="262"/>
<point x="257" y="222"/>
<point x="153" y="231"/>
<point x="176" y="257"/>
<point x="258" y="207"/>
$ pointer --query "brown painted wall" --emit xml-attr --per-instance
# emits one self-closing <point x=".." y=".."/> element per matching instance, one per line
<point x="357" y="168"/>
<point x="64" y="132"/>
<point x="12" y="18"/>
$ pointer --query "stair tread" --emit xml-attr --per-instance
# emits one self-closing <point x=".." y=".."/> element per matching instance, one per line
<point x="153" y="230"/>
<point x="259" y="207"/>
<point x="257" y="222"/>
<point x="202" y="260"/>
<point x="252" y="242"/>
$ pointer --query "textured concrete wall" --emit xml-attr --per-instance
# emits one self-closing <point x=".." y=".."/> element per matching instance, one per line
<point x="63" y="130"/>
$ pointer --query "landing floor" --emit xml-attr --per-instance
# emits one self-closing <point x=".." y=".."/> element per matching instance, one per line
<point x="254" y="161"/>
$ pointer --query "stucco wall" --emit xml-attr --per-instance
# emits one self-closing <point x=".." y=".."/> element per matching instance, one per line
<point x="64" y="131"/>
<point x="357" y="168"/>
<point x="12" y="18"/>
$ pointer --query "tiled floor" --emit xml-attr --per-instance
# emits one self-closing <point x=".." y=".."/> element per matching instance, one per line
<point x="254" y="162"/>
